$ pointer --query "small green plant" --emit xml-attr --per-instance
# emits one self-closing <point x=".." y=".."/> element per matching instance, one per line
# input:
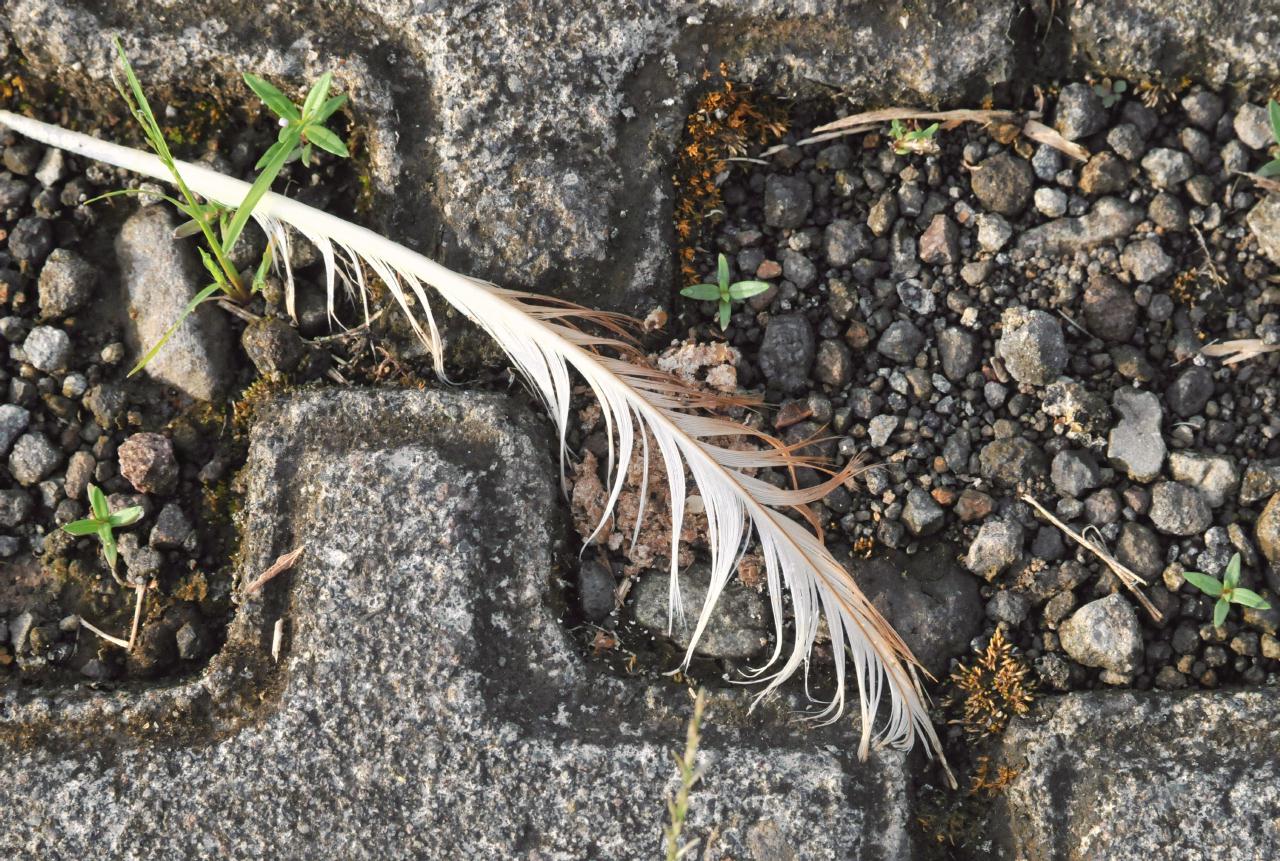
<point x="690" y="774"/>
<point x="724" y="292"/>
<point x="1272" y="168"/>
<point x="301" y="129"/>
<point x="1110" y="91"/>
<point x="905" y="141"/>
<point x="1226" y="591"/>
<point x="103" y="523"/>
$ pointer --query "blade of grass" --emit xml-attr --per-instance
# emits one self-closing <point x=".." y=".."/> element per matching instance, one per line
<point x="195" y="302"/>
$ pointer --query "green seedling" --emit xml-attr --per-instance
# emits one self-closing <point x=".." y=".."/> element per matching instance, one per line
<point x="1226" y="591"/>
<point x="302" y="130"/>
<point x="690" y="774"/>
<point x="1272" y="168"/>
<point x="724" y="292"/>
<point x="1110" y="91"/>
<point x="906" y="141"/>
<point x="103" y="523"/>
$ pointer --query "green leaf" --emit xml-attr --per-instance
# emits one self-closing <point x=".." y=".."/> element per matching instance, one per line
<point x="306" y="155"/>
<point x="260" y="187"/>
<point x="108" y="545"/>
<point x="1220" y="612"/>
<point x="1273" y="109"/>
<point x="1232" y="575"/>
<point x="260" y="276"/>
<point x="126" y="516"/>
<point x="1271" y="168"/>
<point x="187" y="228"/>
<point x="195" y="302"/>
<point x="271" y="151"/>
<point x="98" y="502"/>
<point x="330" y="107"/>
<point x="1249" y="598"/>
<point x="724" y="316"/>
<point x="1119" y="86"/>
<point x="273" y="98"/>
<point x="141" y="109"/>
<point x="319" y="91"/>
<point x="326" y="140"/>
<point x="702" y="292"/>
<point x="747" y="289"/>
<point x="722" y="273"/>
<point x="82" y="527"/>
<point x="926" y="133"/>
<point x="1206" y="584"/>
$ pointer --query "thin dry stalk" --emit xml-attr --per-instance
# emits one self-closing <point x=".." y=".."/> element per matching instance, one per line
<point x="139" y="595"/>
<point x="1234" y="352"/>
<point x="1131" y="580"/>
<point x="284" y="563"/>
<point x="1031" y="128"/>
<point x="115" y="641"/>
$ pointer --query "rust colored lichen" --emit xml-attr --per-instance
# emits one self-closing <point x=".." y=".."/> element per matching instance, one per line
<point x="726" y="122"/>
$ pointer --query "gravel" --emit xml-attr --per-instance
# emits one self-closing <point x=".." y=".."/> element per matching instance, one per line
<point x="1079" y="112"/>
<point x="1136" y="444"/>
<point x="48" y="349"/>
<point x="1032" y="346"/>
<point x="33" y="459"/>
<point x="66" y="283"/>
<point x="997" y="546"/>
<point x="787" y="352"/>
<point x="1003" y="183"/>
<point x="1104" y="633"/>
<point x="1179" y="509"/>
<point x="148" y="462"/>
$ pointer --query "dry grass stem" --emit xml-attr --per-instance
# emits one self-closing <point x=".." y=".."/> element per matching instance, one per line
<point x="284" y="563"/>
<point x="1031" y="128"/>
<point x="115" y="641"/>
<point x="139" y="595"/>
<point x="1234" y="352"/>
<point x="1131" y="580"/>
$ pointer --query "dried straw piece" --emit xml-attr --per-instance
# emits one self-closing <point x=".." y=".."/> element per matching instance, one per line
<point x="1131" y="580"/>
<point x="1233" y="352"/>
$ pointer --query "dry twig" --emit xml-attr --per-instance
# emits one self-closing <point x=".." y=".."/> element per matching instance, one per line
<point x="1234" y="352"/>
<point x="284" y="563"/>
<point x="1131" y="580"/>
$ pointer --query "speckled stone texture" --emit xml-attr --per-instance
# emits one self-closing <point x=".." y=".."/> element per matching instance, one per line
<point x="528" y="142"/>
<point x="1131" y="776"/>
<point x="427" y="703"/>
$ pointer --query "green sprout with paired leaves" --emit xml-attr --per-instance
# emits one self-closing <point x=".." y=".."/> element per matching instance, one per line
<point x="1110" y="91"/>
<point x="1226" y="591"/>
<point x="301" y="130"/>
<point x="103" y="523"/>
<point x="724" y="292"/>
<point x="1272" y="168"/>
<point x="905" y="141"/>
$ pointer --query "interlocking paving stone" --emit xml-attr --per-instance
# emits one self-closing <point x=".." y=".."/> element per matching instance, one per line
<point x="428" y="702"/>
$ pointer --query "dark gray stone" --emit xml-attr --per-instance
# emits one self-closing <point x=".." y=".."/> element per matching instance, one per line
<point x="922" y="515"/>
<point x="1074" y="473"/>
<point x="1032" y="346"/>
<point x="1138" y="548"/>
<point x="1190" y="391"/>
<point x="172" y="528"/>
<point x="160" y="276"/>
<point x="1104" y="633"/>
<point x="31" y="240"/>
<point x="13" y="421"/>
<point x="1136" y="444"/>
<point x="425" y="674"/>
<point x="958" y="351"/>
<point x="1179" y="509"/>
<point x="48" y="349"/>
<point x="932" y="604"/>
<point x="787" y="200"/>
<point x="273" y="346"/>
<point x="787" y="352"/>
<point x="1003" y="183"/>
<point x="834" y="364"/>
<point x="15" y="506"/>
<point x="997" y="546"/>
<point x="844" y="242"/>
<point x="33" y="459"/>
<point x="900" y="342"/>
<point x="1109" y="309"/>
<point x="66" y="283"/>
<point x="738" y="627"/>
<point x="1079" y="112"/>
<point x="148" y="463"/>
<point x="1012" y="462"/>
<point x="1109" y="219"/>
<point x="596" y="591"/>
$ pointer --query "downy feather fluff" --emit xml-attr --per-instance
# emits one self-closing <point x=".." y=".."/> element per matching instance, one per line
<point x="541" y="338"/>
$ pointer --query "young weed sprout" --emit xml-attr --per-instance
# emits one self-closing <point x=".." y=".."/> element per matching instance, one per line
<point x="724" y="292"/>
<point x="1226" y="591"/>
<point x="301" y="129"/>
<point x="1272" y="168"/>
<point x="103" y="523"/>
<point x="919" y="141"/>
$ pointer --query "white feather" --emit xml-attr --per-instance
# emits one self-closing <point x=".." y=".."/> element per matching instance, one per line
<point x="540" y="344"/>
